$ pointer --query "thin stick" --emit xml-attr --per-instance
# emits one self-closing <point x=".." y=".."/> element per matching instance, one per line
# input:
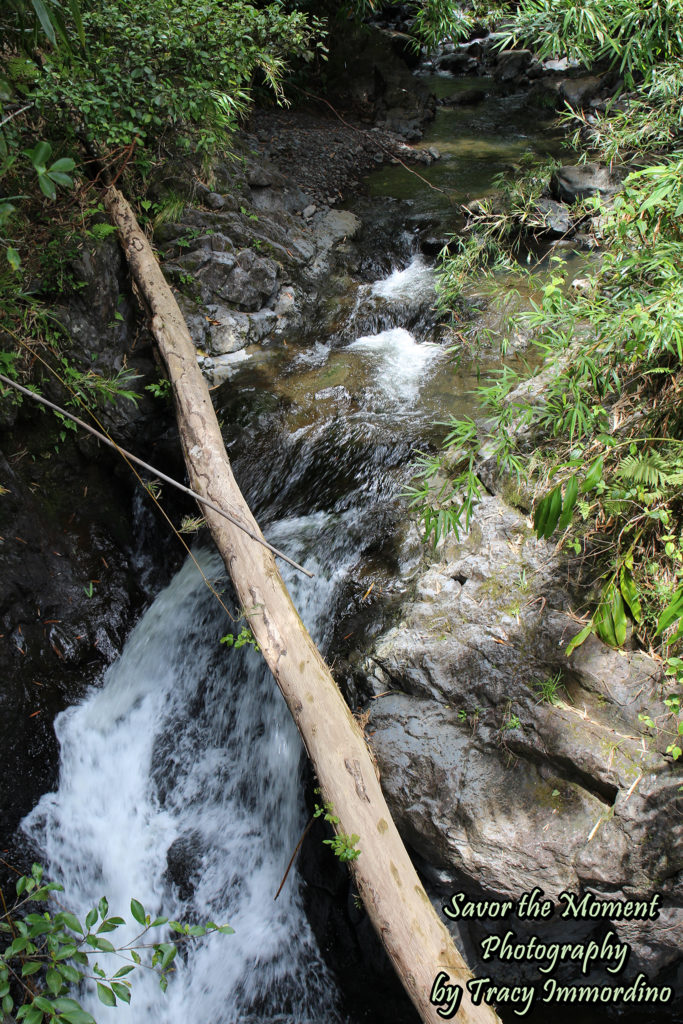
<point x="289" y="866"/>
<point x="156" y="472"/>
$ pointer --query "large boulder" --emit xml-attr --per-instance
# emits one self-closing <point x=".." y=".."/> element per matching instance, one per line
<point x="511" y="65"/>
<point x="509" y="765"/>
<point x="579" y="181"/>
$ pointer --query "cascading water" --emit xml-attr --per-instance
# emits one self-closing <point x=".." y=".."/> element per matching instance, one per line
<point x="180" y="777"/>
<point x="180" y="785"/>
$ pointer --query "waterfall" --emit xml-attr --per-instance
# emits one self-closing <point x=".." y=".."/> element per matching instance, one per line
<point x="180" y="786"/>
<point x="180" y="775"/>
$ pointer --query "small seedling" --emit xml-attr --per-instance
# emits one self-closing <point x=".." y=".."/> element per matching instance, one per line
<point x="244" y="637"/>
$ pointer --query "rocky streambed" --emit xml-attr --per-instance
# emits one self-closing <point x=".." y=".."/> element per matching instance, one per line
<point x="507" y="765"/>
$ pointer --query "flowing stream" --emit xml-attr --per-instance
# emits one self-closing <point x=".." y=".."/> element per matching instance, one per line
<point x="180" y="776"/>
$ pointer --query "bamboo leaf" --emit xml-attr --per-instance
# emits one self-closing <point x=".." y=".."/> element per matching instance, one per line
<point x="571" y="493"/>
<point x="593" y="476"/>
<point x="630" y="593"/>
<point x="44" y="19"/>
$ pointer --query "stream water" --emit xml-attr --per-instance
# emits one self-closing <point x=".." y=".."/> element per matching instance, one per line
<point x="180" y="776"/>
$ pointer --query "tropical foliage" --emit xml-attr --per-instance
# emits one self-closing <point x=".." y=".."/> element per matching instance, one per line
<point x="600" y="441"/>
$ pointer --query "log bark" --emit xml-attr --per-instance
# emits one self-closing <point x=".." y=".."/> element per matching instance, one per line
<point x="416" y="941"/>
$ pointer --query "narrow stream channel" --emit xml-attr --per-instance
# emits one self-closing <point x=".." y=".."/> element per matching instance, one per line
<point x="180" y="776"/>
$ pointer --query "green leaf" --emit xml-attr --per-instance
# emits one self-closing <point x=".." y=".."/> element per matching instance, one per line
<point x="91" y="918"/>
<point x="70" y="973"/>
<point x="158" y="921"/>
<point x="548" y="513"/>
<point x="105" y="945"/>
<point x="59" y="178"/>
<point x="69" y="950"/>
<point x="39" y="155"/>
<point x="225" y="929"/>
<point x="138" y="911"/>
<point x="7" y="1004"/>
<point x="630" y="593"/>
<point x="30" y="967"/>
<point x="70" y="920"/>
<point x="106" y="995"/>
<point x="610" y="618"/>
<point x="66" y="1005"/>
<point x="124" y="970"/>
<point x="34" y="1014"/>
<point x="78" y="20"/>
<point x="47" y="187"/>
<point x="103" y="907"/>
<point x="13" y="258"/>
<point x="672" y="612"/>
<point x="169" y="951"/>
<point x="54" y="981"/>
<point x="571" y="493"/>
<point x="77" y="1016"/>
<point x="593" y="476"/>
<point x="64" y="164"/>
<point x="44" y="19"/>
<point x="121" y="991"/>
<point x="197" y="930"/>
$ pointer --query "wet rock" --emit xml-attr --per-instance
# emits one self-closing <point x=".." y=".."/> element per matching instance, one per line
<point x="511" y="64"/>
<point x="218" y="369"/>
<point x="506" y="764"/>
<point x="245" y="280"/>
<point x="228" y="331"/>
<point x="334" y="227"/>
<point x="451" y="795"/>
<point x="557" y="217"/>
<point x="183" y="864"/>
<point x="579" y="91"/>
<point x="579" y="181"/>
<point x="459" y="63"/>
<point x="464" y="98"/>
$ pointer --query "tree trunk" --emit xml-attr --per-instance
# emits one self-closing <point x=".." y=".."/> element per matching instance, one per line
<point x="416" y="941"/>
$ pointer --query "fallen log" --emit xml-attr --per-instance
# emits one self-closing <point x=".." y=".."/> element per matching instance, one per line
<point x="416" y="941"/>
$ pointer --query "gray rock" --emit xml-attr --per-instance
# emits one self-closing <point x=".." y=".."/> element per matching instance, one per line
<point x="335" y="226"/>
<point x="511" y="64"/>
<point x="578" y="91"/>
<point x="464" y="98"/>
<point x="556" y="215"/>
<point x="195" y="319"/>
<point x="454" y="801"/>
<point x="495" y="787"/>
<point x="458" y="63"/>
<point x="309" y="211"/>
<point x="245" y="280"/>
<point x="215" y="201"/>
<point x="228" y="331"/>
<point x="578" y="181"/>
<point x="560" y="64"/>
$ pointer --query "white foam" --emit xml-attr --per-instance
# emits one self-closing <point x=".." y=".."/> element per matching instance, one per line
<point x="414" y="282"/>
<point x="189" y="742"/>
<point x="400" y="362"/>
